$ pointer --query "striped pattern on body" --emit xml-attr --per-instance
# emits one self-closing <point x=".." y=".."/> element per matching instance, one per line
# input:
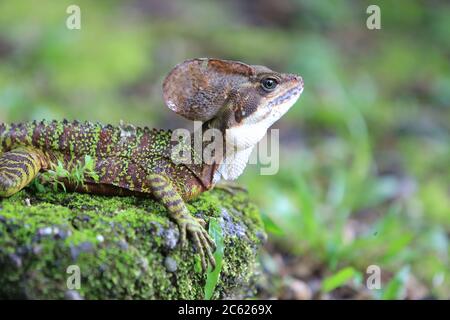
<point x="17" y="169"/>
<point x="163" y="190"/>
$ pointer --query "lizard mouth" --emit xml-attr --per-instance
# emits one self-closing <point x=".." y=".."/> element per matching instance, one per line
<point x="292" y="92"/>
<point x="278" y="106"/>
<point x="274" y="106"/>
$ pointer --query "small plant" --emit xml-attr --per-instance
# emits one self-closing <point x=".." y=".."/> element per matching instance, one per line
<point x="215" y="231"/>
<point x="59" y="174"/>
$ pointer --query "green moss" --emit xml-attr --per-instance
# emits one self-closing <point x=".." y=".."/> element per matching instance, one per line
<point x="122" y="246"/>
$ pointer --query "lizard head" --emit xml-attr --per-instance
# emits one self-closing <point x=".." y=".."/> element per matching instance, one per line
<point x="230" y="94"/>
<point x="241" y="100"/>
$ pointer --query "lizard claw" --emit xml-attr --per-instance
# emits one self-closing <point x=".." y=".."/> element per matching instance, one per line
<point x="203" y="242"/>
<point x="202" y="222"/>
<point x="183" y="237"/>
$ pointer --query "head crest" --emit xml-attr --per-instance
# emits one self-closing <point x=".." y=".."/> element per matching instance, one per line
<point x="197" y="89"/>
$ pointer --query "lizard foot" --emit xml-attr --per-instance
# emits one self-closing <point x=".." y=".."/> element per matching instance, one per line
<point x="196" y="229"/>
<point x="230" y="187"/>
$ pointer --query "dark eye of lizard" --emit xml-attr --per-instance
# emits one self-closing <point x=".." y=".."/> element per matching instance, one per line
<point x="269" y="84"/>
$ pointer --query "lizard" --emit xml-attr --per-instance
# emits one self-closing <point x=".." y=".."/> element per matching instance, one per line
<point x="241" y="101"/>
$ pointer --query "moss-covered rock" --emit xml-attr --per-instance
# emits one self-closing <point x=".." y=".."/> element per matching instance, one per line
<point x="125" y="247"/>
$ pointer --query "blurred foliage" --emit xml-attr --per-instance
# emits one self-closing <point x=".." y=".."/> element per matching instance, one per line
<point x="364" y="165"/>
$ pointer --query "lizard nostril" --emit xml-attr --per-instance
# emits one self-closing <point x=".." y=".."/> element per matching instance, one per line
<point x="298" y="79"/>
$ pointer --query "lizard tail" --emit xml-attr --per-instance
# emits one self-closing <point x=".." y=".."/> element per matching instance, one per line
<point x="18" y="168"/>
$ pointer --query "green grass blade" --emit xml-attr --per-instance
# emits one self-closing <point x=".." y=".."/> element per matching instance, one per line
<point x="395" y="287"/>
<point x="215" y="231"/>
<point x="339" y="279"/>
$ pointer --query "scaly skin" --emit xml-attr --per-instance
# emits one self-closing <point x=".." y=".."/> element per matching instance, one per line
<point x="239" y="100"/>
<point x="128" y="161"/>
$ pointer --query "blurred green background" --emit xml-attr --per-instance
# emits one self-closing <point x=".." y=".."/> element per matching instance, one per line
<point x="364" y="174"/>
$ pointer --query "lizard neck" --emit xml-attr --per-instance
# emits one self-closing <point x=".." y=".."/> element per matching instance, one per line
<point x="233" y="165"/>
<point x="236" y="147"/>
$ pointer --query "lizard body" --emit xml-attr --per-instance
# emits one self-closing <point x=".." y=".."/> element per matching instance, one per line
<point x="123" y="155"/>
<point x="239" y="100"/>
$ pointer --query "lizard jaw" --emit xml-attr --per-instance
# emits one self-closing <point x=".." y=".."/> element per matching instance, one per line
<point x="250" y="131"/>
<point x="241" y="140"/>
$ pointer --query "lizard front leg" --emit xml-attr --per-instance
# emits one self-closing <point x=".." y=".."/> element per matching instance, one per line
<point x="18" y="168"/>
<point x="164" y="191"/>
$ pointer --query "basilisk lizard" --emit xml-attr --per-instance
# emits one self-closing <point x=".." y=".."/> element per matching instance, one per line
<point x="240" y="100"/>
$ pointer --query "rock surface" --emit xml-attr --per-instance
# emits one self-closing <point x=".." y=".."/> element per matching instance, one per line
<point x="124" y="247"/>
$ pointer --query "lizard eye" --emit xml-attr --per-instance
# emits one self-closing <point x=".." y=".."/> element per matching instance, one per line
<point x="269" y="84"/>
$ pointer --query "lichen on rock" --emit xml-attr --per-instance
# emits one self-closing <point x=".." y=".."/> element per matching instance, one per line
<point x="125" y="247"/>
